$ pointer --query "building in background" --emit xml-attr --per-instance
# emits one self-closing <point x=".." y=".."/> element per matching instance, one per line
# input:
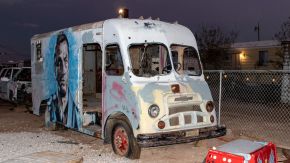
<point x="9" y="55"/>
<point x="261" y="55"/>
<point x="10" y="58"/>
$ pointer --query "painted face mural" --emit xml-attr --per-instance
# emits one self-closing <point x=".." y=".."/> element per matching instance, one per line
<point x="63" y="108"/>
<point x="61" y="64"/>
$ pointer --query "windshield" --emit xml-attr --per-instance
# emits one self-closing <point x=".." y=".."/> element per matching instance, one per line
<point x="150" y="60"/>
<point x="8" y="73"/>
<point x="185" y="60"/>
<point x="3" y="73"/>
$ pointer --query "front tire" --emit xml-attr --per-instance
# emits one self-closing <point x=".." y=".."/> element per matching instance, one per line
<point x="123" y="141"/>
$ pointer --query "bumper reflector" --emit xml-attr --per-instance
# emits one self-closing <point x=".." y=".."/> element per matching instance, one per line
<point x="212" y="119"/>
<point x="161" y="124"/>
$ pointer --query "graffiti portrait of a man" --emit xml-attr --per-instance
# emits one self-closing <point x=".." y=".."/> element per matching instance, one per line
<point x="62" y="107"/>
<point x="61" y="66"/>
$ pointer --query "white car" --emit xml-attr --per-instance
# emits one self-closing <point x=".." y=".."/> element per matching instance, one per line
<point x="14" y="81"/>
<point x="5" y="78"/>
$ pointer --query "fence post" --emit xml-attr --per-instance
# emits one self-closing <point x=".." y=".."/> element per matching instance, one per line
<point x="220" y="96"/>
<point x="285" y="90"/>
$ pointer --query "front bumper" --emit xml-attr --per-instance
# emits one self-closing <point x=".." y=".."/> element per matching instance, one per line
<point x="161" y="139"/>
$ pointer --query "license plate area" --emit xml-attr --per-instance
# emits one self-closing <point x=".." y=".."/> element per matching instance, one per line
<point x="192" y="133"/>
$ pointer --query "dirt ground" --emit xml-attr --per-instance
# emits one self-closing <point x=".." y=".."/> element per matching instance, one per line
<point x="18" y="120"/>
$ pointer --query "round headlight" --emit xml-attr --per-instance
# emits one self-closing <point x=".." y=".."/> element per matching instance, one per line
<point x="209" y="106"/>
<point x="153" y="111"/>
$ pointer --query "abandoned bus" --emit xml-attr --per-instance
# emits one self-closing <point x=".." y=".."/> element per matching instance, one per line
<point x="132" y="82"/>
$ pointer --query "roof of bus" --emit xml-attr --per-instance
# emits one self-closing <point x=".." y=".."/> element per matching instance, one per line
<point x="154" y="30"/>
<point x="173" y="31"/>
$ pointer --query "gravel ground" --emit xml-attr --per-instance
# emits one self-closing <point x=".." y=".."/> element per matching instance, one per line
<point x="16" y="144"/>
<point x="13" y="145"/>
<point x="22" y="133"/>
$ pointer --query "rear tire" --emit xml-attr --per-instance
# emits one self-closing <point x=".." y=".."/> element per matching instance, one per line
<point x="123" y="141"/>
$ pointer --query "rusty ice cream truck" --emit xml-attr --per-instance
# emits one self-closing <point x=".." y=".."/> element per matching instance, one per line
<point x="132" y="82"/>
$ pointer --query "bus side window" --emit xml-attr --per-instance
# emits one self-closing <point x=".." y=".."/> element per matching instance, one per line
<point x="114" y="63"/>
<point x="39" y="56"/>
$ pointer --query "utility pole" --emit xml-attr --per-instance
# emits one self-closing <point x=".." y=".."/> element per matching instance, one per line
<point x="257" y="29"/>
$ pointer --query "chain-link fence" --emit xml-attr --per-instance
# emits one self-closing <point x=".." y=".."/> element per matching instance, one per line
<point x="253" y="103"/>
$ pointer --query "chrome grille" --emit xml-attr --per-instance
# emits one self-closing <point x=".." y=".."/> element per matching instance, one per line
<point x="175" y="110"/>
<point x="199" y="119"/>
<point x="187" y="119"/>
<point x="174" y="121"/>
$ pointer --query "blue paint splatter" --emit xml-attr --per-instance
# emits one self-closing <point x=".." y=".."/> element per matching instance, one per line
<point x="49" y="69"/>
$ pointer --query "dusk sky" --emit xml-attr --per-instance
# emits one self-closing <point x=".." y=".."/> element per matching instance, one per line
<point x="21" y="19"/>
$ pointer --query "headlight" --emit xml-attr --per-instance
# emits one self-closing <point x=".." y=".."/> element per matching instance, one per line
<point x="153" y="111"/>
<point x="209" y="106"/>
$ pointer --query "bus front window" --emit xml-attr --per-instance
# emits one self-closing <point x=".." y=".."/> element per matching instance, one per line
<point x="149" y="60"/>
<point x="185" y="60"/>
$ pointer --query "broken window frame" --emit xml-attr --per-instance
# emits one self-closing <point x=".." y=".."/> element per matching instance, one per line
<point x="168" y="59"/>
<point x="182" y="66"/>
<point x="110" y="72"/>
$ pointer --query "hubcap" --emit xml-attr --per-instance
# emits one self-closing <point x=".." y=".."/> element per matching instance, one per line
<point x="121" y="141"/>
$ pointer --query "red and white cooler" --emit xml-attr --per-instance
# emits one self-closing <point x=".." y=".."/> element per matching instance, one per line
<point x="243" y="151"/>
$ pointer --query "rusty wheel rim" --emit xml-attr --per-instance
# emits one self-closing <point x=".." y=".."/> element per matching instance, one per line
<point x="121" y="141"/>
